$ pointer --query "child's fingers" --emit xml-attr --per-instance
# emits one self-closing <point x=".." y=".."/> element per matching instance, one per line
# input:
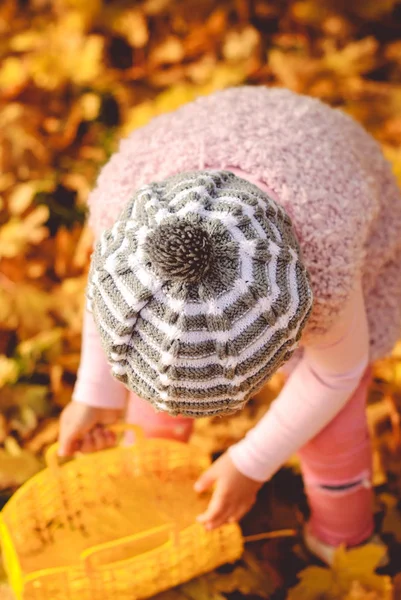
<point x="218" y="520"/>
<point x="217" y="512"/>
<point x="67" y="443"/>
<point x="99" y="438"/>
<point x="87" y="443"/>
<point x="110" y="438"/>
<point x="205" y="481"/>
<point x="239" y="513"/>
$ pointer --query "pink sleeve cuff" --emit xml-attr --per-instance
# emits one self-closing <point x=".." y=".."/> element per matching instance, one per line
<point x="95" y="385"/>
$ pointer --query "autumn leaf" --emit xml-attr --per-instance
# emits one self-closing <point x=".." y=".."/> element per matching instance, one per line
<point x="9" y="370"/>
<point x="17" y="233"/>
<point x="350" y="568"/>
<point x="16" y="469"/>
<point x="392" y="516"/>
<point x="13" y="76"/>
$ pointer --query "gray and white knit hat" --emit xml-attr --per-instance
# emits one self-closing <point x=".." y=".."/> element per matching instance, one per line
<point x="199" y="292"/>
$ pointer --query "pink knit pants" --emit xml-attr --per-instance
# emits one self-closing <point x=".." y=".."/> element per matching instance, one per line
<point x="336" y="466"/>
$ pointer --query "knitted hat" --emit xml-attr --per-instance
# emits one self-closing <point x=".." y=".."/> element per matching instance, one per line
<point x="199" y="292"/>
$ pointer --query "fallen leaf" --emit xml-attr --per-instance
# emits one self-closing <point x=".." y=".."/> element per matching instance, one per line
<point x="15" y="470"/>
<point x="9" y="370"/>
<point x="13" y="76"/>
<point x="350" y="568"/>
<point x="392" y="517"/>
<point x="17" y="233"/>
<point x="46" y="434"/>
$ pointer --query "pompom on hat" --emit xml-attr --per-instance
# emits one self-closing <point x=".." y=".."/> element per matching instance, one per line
<point x="199" y="292"/>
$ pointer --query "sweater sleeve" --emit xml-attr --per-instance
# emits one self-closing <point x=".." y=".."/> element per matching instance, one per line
<point x="314" y="394"/>
<point x="95" y="385"/>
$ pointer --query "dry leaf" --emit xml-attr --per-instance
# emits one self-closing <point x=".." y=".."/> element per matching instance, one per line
<point x="240" y="45"/>
<point x="356" y="58"/>
<point x="242" y="579"/>
<point x="351" y="567"/>
<point x="392" y="517"/>
<point x="21" y="197"/>
<point x="9" y="371"/>
<point x="18" y="233"/>
<point x="132" y="24"/>
<point x="15" y="470"/>
<point x="13" y="76"/>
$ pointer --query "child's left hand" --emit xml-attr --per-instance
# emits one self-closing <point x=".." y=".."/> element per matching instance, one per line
<point x="233" y="496"/>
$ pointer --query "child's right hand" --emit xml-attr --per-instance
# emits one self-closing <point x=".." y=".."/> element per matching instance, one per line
<point x="84" y="428"/>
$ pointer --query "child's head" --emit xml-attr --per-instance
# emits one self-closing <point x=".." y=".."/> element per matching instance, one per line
<point x="199" y="292"/>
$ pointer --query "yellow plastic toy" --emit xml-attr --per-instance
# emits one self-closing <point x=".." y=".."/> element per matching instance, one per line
<point x="118" y="524"/>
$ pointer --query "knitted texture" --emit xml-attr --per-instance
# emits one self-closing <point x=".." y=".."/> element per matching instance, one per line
<point x="199" y="292"/>
<point x="327" y="172"/>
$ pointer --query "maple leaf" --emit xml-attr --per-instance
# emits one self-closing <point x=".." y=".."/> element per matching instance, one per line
<point x="356" y="566"/>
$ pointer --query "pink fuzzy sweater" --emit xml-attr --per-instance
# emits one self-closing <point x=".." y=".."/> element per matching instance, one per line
<point x="327" y="172"/>
<point x="332" y="179"/>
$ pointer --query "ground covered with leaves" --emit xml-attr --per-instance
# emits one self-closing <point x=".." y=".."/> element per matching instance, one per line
<point x="75" y="76"/>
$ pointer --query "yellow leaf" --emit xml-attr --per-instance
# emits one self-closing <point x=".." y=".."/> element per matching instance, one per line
<point x="199" y="589"/>
<point x="15" y="470"/>
<point x="221" y="77"/>
<point x="32" y="224"/>
<point x="46" y="70"/>
<point x="86" y="9"/>
<point x="132" y="24"/>
<point x="90" y="105"/>
<point x="240" y="45"/>
<point x="85" y="65"/>
<point x="21" y="197"/>
<point x="30" y="307"/>
<point x="356" y="58"/>
<point x="358" y="592"/>
<point x="16" y="234"/>
<point x="293" y="71"/>
<point x="9" y="370"/>
<point x="359" y="564"/>
<point x="25" y="41"/>
<point x="316" y="583"/>
<point x="169" y="51"/>
<point x="42" y="343"/>
<point x="356" y="565"/>
<point x="13" y="75"/>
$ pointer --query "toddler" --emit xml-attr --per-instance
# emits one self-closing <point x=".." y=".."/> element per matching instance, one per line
<point x="246" y="228"/>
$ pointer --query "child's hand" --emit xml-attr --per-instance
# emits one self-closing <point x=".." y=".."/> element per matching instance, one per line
<point x="83" y="428"/>
<point x="233" y="496"/>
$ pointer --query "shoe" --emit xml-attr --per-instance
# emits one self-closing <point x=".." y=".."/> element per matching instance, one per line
<point x="325" y="552"/>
